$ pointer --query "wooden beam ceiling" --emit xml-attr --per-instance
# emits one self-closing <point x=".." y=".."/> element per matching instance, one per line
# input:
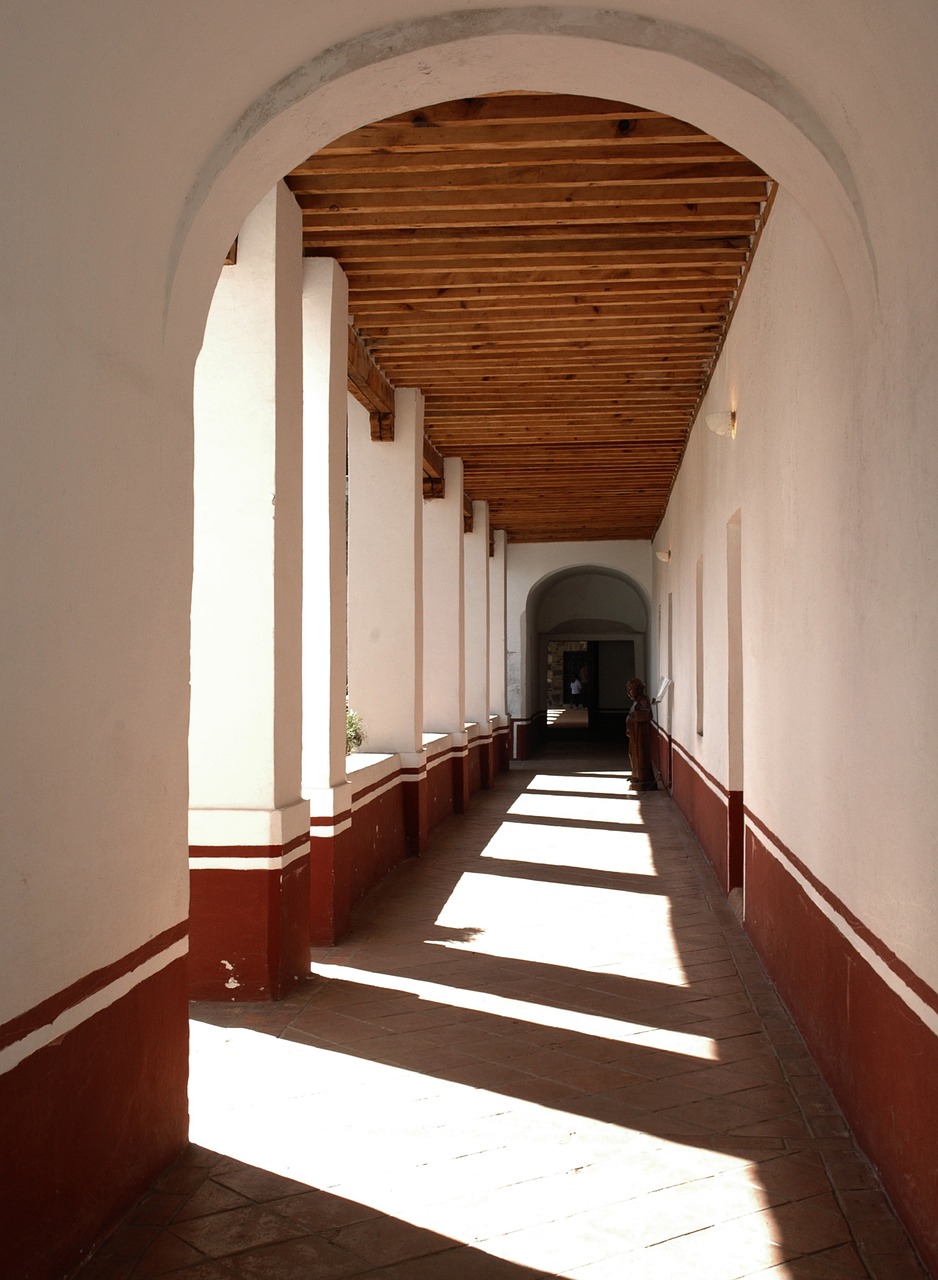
<point x="557" y="275"/>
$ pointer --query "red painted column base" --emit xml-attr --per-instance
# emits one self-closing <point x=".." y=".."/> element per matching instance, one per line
<point x="416" y="812"/>
<point x="249" y="928"/>
<point x="461" y="780"/>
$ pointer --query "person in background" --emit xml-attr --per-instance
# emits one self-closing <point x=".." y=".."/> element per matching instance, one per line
<point x="638" y="727"/>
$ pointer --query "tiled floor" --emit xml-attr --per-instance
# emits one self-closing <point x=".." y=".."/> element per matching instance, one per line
<point x="545" y="1049"/>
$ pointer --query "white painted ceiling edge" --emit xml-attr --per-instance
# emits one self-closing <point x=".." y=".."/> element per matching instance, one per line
<point x="673" y="68"/>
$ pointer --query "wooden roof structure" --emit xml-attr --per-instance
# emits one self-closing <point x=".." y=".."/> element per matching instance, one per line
<point x="557" y="275"/>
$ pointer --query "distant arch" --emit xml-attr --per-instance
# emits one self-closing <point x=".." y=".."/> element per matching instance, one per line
<point x="594" y="619"/>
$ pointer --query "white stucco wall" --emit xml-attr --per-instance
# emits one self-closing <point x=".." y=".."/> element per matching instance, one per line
<point x="166" y="124"/>
<point x="837" y="582"/>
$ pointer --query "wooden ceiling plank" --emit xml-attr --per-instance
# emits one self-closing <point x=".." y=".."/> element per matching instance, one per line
<point x="586" y="240"/>
<point x="675" y="217"/>
<point x="723" y="170"/>
<point x="625" y="133"/>
<point x="524" y="300"/>
<point x="519" y="107"/>
<point x="703" y="151"/>
<point x="506" y="194"/>
<point x="467" y="318"/>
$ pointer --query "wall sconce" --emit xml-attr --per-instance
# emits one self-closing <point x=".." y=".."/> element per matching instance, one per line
<point x="723" y="424"/>
<point x="664" y="555"/>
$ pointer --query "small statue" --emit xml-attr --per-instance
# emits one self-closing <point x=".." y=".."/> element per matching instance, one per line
<point x="638" y="727"/>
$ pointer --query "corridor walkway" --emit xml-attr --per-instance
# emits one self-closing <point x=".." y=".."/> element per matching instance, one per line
<point x="545" y="1049"/>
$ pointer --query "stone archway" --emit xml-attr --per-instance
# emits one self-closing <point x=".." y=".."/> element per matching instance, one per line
<point x="595" y="619"/>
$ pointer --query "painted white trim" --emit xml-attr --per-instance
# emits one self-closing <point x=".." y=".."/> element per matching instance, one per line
<point x="876" y="963"/>
<point x="318" y="832"/>
<point x="68" y="1020"/>
<point x="248" y="863"/>
<point x="698" y="769"/>
<point x="230" y="827"/>
<point x="362" y="801"/>
<point x="413" y="762"/>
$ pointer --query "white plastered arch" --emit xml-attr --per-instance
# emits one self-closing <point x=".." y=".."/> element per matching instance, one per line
<point x="676" y="69"/>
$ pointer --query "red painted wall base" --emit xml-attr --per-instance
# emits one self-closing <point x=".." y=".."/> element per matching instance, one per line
<point x="87" y="1123"/>
<point x="705" y="805"/>
<point x="880" y="1060"/>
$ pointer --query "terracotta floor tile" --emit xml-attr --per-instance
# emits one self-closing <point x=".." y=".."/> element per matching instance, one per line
<point x="307" y="1258"/>
<point x="462" y="1264"/>
<point x="808" y="1225"/>
<point x="258" y="1184"/>
<point x="319" y="1211"/>
<point x="388" y="1240"/>
<point x="715" y="1115"/>
<point x="119" y="1254"/>
<point x="210" y="1269"/>
<point x="211" y="1197"/>
<point x="223" y="1234"/>
<point x="830" y="1264"/>
<point x="156" y="1209"/>
<point x="167" y="1253"/>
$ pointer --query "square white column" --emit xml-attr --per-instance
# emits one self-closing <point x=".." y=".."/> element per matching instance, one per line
<point x="498" y="668"/>
<point x="385" y="566"/>
<point x="476" y="551"/>
<point x="245" y="727"/>
<point x="325" y="416"/>
<point x="444" y="657"/>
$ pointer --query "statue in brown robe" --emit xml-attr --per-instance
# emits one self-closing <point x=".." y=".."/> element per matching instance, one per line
<point x="638" y="727"/>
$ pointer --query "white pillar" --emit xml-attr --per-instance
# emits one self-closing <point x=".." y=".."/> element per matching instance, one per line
<point x="386" y="577"/>
<point x="443" y="620"/>
<point x="249" y="936"/>
<point x="498" y="670"/>
<point x="476" y="550"/>
<point x="325" y="415"/>
<point x="244" y="736"/>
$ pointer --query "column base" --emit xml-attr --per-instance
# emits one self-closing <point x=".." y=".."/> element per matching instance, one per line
<point x="249" y="902"/>
<point x="416" y="801"/>
<point x="461" y="777"/>
<point x="330" y="896"/>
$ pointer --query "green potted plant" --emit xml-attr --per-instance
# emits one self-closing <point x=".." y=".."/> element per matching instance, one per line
<point x="354" y="731"/>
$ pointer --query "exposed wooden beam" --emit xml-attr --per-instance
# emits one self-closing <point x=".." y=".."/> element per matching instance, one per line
<point x="370" y="387"/>
<point x="621" y="132"/>
<point x="433" y="483"/>
<point x="727" y="172"/>
<point x="601" y="154"/>
<point x="466" y="513"/>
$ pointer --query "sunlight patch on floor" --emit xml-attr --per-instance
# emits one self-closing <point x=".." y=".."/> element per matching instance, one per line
<point x="547" y="844"/>
<point x="577" y="926"/>
<point x="528" y="1011"/>
<point x="468" y="1163"/>
<point x="614" y="783"/>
